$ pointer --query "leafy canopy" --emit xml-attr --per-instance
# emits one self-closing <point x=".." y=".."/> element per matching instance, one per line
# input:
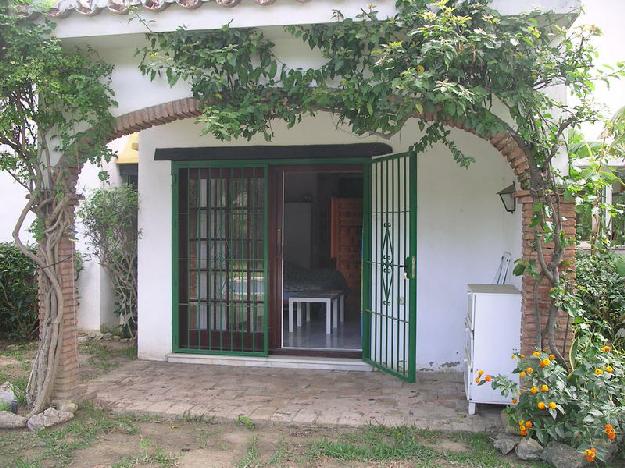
<point x="457" y="60"/>
<point x="50" y="99"/>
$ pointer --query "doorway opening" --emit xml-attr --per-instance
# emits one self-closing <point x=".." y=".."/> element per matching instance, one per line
<point x="321" y="259"/>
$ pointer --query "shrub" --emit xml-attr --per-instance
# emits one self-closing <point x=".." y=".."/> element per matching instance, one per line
<point x="584" y="408"/>
<point x="18" y="294"/>
<point x="109" y="216"/>
<point x="598" y="304"/>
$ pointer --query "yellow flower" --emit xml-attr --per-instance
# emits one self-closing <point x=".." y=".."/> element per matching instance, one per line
<point x="541" y="405"/>
<point x="529" y="424"/>
<point x="552" y="357"/>
<point x="522" y="356"/>
<point x="420" y="69"/>
<point x="529" y="370"/>
<point x="606" y="349"/>
<point x="590" y="454"/>
<point x="545" y="363"/>
<point x="536" y="354"/>
<point x="544" y="388"/>
<point x="514" y="401"/>
<point x="523" y="374"/>
<point x="598" y="371"/>
<point x="488" y="378"/>
<point x="609" y="369"/>
<point x="480" y="373"/>
<point x="533" y="390"/>
<point x="552" y="405"/>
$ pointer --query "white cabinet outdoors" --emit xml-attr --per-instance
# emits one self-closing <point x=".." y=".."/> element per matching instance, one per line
<point x="493" y="334"/>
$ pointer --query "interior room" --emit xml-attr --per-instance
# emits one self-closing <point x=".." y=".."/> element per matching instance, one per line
<point x="322" y="260"/>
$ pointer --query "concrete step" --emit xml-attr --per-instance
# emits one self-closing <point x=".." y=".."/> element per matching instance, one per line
<point x="285" y="362"/>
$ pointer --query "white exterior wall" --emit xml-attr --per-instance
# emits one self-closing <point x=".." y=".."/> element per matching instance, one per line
<point x="95" y="296"/>
<point x="462" y="230"/>
<point x="13" y="197"/>
<point x="608" y="16"/>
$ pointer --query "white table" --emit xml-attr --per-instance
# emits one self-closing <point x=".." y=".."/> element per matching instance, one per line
<point x="334" y="305"/>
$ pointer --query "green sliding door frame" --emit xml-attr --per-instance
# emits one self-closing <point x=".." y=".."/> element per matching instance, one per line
<point x="366" y="298"/>
<point x="175" y="167"/>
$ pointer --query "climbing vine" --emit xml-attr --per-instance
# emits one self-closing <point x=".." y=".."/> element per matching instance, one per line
<point x="54" y="116"/>
<point x="435" y="62"/>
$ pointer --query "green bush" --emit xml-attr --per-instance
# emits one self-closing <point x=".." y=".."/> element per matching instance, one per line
<point x="599" y="299"/>
<point x="584" y="408"/>
<point x="18" y="294"/>
<point x="109" y="216"/>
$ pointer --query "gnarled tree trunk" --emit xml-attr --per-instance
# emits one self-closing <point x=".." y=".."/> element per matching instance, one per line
<point x="54" y="211"/>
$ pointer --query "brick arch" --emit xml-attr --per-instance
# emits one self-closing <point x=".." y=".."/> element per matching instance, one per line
<point x="152" y="116"/>
<point x="503" y="142"/>
<point x="184" y="108"/>
<point x="67" y="376"/>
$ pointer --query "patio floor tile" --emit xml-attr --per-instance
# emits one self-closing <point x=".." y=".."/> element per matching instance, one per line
<point x="435" y="401"/>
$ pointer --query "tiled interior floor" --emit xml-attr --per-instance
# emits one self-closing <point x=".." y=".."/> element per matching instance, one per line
<point x="312" y="335"/>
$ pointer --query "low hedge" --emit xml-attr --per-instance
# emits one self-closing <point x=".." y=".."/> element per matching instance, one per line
<point x="18" y="294"/>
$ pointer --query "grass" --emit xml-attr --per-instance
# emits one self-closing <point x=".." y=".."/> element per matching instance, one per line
<point x="368" y="445"/>
<point x="104" y="358"/>
<point x="252" y="456"/>
<point x="246" y="422"/>
<point x="197" y="418"/>
<point x="280" y="455"/>
<point x="150" y="454"/>
<point x="56" y="446"/>
<point x="376" y="444"/>
<point x="17" y="373"/>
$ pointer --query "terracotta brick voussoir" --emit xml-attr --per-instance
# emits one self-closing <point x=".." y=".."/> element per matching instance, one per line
<point x="189" y="107"/>
<point x="503" y="142"/>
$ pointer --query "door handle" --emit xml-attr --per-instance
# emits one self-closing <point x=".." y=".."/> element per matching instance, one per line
<point x="410" y="267"/>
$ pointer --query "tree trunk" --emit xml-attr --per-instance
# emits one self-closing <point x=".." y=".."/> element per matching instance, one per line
<point x="54" y="210"/>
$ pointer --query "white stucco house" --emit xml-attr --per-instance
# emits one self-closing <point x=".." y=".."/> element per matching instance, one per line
<point x="317" y="245"/>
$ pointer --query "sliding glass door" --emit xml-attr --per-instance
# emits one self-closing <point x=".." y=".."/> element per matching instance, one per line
<point x="220" y="267"/>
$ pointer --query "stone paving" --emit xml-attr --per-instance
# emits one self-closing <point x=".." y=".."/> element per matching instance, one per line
<point x="435" y="402"/>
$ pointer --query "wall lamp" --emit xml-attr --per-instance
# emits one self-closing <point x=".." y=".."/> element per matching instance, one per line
<point x="507" y="198"/>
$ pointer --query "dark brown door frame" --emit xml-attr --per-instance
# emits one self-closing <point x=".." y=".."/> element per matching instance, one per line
<point x="276" y="257"/>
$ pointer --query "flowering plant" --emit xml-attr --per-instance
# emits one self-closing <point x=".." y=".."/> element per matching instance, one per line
<point x="584" y="408"/>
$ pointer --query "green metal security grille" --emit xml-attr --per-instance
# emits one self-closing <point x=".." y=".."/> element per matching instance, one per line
<point x="221" y="267"/>
<point x="389" y="277"/>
